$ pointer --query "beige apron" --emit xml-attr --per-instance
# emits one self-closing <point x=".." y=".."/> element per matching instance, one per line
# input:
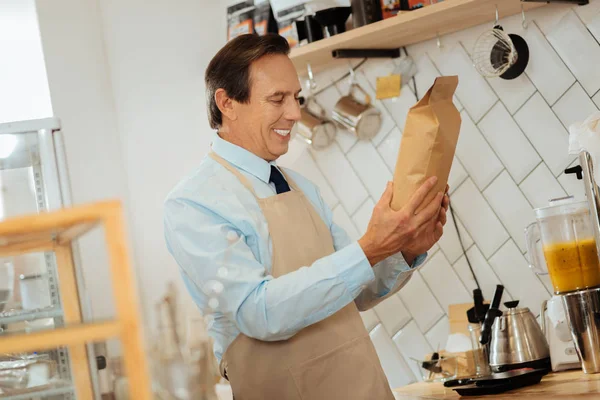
<point x="332" y="359"/>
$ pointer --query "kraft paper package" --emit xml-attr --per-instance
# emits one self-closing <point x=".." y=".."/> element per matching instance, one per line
<point x="428" y="142"/>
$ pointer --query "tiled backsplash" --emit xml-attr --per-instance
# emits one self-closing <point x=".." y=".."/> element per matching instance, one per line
<point x="510" y="159"/>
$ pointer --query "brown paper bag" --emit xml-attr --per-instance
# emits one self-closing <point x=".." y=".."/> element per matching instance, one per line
<point x="428" y="142"/>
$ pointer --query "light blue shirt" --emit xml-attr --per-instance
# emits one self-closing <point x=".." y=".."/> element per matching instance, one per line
<point x="216" y="232"/>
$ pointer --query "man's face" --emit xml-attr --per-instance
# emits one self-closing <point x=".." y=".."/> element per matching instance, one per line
<point x="265" y="122"/>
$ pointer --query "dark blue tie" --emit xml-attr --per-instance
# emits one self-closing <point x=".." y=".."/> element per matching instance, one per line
<point x="280" y="184"/>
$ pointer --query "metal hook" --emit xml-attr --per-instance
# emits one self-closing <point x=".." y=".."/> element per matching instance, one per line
<point x="352" y="75"/>
<point x="497" y="16"/>
<point x="523" y="20"/>
<point x="311" y="77"/>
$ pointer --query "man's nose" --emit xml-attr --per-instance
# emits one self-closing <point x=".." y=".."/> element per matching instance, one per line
<point x="293" y="111"/>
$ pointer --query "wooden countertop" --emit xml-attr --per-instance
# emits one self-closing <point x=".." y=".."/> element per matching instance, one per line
<point x="562" y="385"/>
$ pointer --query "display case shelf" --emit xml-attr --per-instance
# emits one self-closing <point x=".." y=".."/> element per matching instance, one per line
<point x="42" y="393"/>
<point x="407" y="28"/>
<point x="12" y="317"/>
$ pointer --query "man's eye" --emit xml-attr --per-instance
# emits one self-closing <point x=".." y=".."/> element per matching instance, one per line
<point x="277" y="101"/>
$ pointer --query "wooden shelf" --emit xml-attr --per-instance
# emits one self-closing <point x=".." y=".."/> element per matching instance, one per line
<point x="407" y="28"/>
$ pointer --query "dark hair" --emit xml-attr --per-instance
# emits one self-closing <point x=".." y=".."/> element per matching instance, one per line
<point x="230" y="69"/>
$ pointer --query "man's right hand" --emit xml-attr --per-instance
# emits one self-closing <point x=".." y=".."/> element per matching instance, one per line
<point x="390" y="232"/>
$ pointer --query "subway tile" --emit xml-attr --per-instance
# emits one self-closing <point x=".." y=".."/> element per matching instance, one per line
<point x="513" y="92"/>
<point x="306" y="166"/>
<point x="445" y="285"/>
<point x="511" y="206"/>
<point x="479" y="219"/>
<point x="546" y="132"/>
<point x="426" y="74"/>
<point x="596" y="99"/>
<point x="389" y="147"/>
<point x="396" y="369"/>
<point x="573" y="186"/>
<point x="398" y="106"/>
<point x="370" y="319"/>
<point x="541" y="186"/>
<point x="449" y="242"/>
<point x="545" y="68"/>
<point x="344" y="182"/>
<point x="370" y="168"/>
<point x="475" y="154"/>
<point x="574" y="106"/>
<point x="589" y="13"/>
<point x="457" y="175"/>
<point x="392" y="314"/>
<point x="327" y="99"/>
<point x="413" y="346"/>
<point x="547" y="18"/>
<point x="520" y="281"/>
<point x="517" y="154"/>
<point x="341" y="218"/>
<point x="485" y="275"/>
<point x="363" y="215"/>
<point x="579" y="50"/>
<point x="473" y="90"/>
<point x="420" y="302"/>
<point x="438" y="335"/>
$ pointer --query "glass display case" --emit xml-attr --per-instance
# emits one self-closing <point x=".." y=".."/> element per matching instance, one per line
<point x="33" y="179"/>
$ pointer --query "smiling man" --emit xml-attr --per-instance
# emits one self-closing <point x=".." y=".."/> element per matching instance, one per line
<point x="258" y="249"/>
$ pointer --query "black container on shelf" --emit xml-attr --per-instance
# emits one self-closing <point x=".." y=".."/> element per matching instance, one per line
<point x="334" y="19"/>
<point x="365" y="12"/>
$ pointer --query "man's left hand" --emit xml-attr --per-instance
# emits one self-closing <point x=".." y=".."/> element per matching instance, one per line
<point x="430" y="233"/>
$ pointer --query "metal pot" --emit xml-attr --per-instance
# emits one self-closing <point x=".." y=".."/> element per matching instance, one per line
<point x="357" y="115"/>
<point x="518" y="341"/>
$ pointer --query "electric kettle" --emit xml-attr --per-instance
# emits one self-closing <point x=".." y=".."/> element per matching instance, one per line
<point x="517" y="341"/>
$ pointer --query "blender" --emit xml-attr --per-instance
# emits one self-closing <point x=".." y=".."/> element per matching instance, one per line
<point x="563" y="243"/>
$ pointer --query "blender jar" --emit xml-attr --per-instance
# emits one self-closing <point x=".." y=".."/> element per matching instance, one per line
<point x="563" y="234"/>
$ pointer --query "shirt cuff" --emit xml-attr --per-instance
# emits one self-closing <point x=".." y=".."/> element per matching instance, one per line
<point x="355" y="268"/>
<point x="419" y="261"/>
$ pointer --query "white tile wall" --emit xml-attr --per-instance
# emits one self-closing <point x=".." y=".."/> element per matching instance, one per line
<point x="479" y="218"/>
<point x="579" y="50"/>
<point x="370" y="168"/>
<point x="475" y="153"/>
<point x="485" y="275"/>
<point x="511" y="206"/>
<point x="574" y="106"/>
<point x="510" y="159"/>
<point x="392" y="314"/>
<point x="541" y="186"/>
<point x="572" y="185"/>
<point x="546" y="133"/>
<point x="413" y="345"/>
<point x="395" y="367"/>
<point x="443" y="281"/>
<point x="363" y="215"/>
<point x="421" y="303"/>
<point x="517" y="154"/>
<point x="545" y="68"/>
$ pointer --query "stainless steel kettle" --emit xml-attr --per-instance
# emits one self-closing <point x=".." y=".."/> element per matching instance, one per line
<point x="518" y="341"/>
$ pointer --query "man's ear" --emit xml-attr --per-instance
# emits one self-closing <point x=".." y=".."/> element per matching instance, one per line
<point x="226" y="104"/>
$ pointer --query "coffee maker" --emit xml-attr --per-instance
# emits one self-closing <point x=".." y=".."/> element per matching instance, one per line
<point x="565" y="243"/>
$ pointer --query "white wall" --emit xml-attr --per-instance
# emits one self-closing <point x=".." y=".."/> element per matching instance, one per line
<point x="82" y="97"/>
<point x="157" y="53"/>
<point x="23" y="85"/>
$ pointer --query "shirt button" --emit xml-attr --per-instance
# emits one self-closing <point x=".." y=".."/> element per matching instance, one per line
<point x="232" y="236"/>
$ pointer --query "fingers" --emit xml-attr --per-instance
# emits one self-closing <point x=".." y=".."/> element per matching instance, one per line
<point x="386" y="197"/>
<point x="438" y="231"/>
<point x="420" y="195"/>
<point x="442" y="216"/>
<point x="430" y="211"/>
<point x="446" y="202"/>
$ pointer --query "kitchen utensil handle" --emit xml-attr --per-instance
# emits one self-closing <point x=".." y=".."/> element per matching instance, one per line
<point x="543" y="316"/>
<point x="497" y="296"/>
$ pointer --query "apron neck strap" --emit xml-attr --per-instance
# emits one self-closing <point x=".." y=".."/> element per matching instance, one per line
<point x="233" y="170"/>
<point x="243" y="179"/>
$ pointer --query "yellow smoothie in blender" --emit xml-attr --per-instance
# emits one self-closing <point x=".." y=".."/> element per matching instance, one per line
<point x="573" y="265"/>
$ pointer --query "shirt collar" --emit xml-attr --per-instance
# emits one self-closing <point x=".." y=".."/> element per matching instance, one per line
<point x="242" y="158"/>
